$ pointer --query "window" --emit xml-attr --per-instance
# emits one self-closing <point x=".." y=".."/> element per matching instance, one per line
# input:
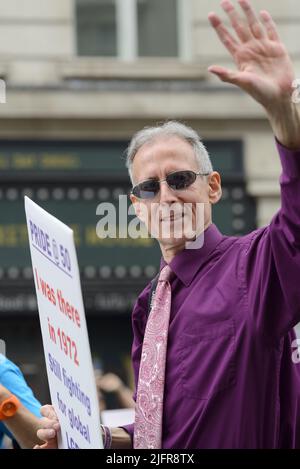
<point x="157" y="28"/>
<point x="96" y="27"/>
<point x="128" y="29"/>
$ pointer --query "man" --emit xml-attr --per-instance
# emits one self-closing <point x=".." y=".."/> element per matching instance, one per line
<point x="23" y="419"/>
<point x="213" y="360"/>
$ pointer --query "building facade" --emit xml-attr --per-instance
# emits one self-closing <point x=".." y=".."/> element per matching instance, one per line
<point x="81" y="77"/>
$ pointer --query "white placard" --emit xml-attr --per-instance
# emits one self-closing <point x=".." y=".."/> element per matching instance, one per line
<point x="64" y="332"/>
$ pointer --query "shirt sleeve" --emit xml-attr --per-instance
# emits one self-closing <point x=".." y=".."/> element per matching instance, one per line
<point x="139" y="320"/>
<point x="272" y="258"/>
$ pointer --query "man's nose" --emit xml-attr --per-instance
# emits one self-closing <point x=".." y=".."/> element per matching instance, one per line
<point x="166" y="194"/>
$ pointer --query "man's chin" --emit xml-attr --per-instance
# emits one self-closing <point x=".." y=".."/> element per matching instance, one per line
<point x="176" y="241"/>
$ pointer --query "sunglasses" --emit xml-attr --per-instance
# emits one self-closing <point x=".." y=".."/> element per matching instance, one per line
<point x="177" y="181"/>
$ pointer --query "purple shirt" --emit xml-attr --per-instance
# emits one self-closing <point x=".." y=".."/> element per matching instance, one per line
<point x="230" y="379"/>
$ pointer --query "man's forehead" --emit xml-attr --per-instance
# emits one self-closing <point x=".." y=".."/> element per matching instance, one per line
<point x="167" y="153"/>
<point x="173" y="149"/>
<point x="164" y="144"/>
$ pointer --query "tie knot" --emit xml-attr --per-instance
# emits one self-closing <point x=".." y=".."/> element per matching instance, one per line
<point x="166" y="274"/>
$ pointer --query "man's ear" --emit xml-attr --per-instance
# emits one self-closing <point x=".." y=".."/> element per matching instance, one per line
<point x="137" y="205"/>
<point x="215" y="189"/>
<point x="134" y="202"/>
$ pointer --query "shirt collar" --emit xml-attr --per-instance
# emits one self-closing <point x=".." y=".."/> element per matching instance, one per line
<point x="186" y="263"/>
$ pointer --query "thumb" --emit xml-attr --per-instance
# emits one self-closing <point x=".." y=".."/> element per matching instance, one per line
<point x="229" y="76"/>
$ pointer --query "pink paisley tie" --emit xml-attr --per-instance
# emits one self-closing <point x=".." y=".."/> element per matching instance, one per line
<point x="150" y="390"/>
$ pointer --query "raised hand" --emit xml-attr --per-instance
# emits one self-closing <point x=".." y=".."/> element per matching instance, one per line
<point x="264" y="68"/>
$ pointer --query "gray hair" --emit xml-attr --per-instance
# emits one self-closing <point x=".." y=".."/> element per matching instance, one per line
<point x="175" y="128"/>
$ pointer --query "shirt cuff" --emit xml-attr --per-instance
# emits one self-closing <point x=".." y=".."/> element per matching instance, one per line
<point x="130" y="430"/>
<point x="290" y="160"/>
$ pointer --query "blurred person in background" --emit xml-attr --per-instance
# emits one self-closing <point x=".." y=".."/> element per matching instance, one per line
<point x="112" y="391"/>
<point x="112" y="385"/>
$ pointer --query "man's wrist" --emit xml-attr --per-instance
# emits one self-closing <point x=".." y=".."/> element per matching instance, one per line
<point x="106" y="436"/>
<point x="285" y="123"/>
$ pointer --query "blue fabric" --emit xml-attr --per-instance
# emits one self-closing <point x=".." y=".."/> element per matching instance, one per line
<point x="12" y="378"/>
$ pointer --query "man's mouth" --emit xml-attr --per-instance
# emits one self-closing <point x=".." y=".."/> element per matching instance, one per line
<point x="173" y="217"/>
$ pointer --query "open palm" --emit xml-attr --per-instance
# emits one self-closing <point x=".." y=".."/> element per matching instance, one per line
<point x="264" y="68"/>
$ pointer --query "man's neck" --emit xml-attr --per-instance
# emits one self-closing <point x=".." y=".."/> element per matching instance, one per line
<point x="170" y="251"/>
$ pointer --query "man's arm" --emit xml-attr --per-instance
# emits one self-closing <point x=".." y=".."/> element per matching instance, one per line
<point x="49" y="428"/>
<point x="23" y="425"/>
<point x="264" y="68"/>
<point x="120" y="439"/>
<point x="270" y="264"/>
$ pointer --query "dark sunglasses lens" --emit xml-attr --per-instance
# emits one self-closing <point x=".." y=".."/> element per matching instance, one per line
<point x="146" y="190"/>
<point x="181" y="179"/>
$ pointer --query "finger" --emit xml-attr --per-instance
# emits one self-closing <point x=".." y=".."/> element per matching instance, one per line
<point x="46" y="423"/>
<point x="49" y="412"/>
<point x="229" y="76"/>
<point x="45" y="446"/>
<point x="243" y="80"/>
<point x="252" y="19"/>
<point x="238" y="24"/>
<point x="46" y="434"/>
<point x="226" y="38"/>
<point x="269" y="25"/>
